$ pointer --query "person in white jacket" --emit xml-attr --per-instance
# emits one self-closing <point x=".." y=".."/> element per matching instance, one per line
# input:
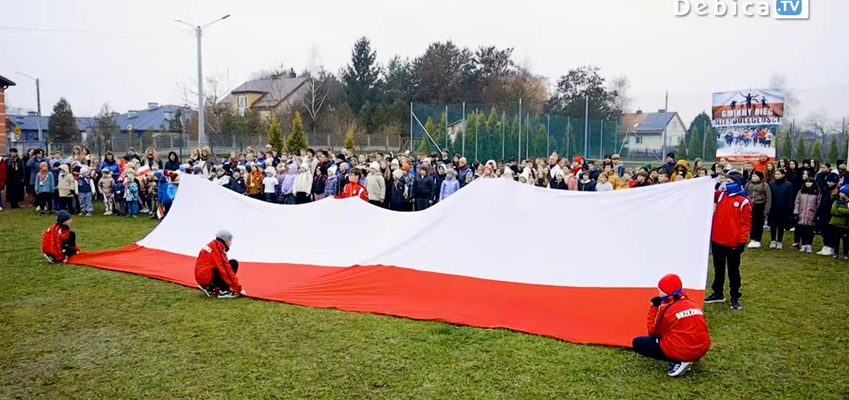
<point x="303" y="182"/>
<point x="375" y="185"/>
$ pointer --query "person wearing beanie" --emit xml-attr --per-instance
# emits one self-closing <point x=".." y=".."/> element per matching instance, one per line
<point x="839" y="223"/>
<point x="761" y="198"/>
<point x="58" y="242"/>
<point x="829" y="195"/>
<point x="783" y="201"/>
<point x="214" y="272"/>
<point x="669" y="167"/>
<point x="677" y="329"/>
<point x="732" y="226"/>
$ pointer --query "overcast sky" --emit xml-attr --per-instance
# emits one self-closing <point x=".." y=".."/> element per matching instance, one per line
<point x="149" y="58"/>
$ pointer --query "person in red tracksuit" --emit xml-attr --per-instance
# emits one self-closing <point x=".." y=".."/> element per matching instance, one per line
<point x="58" y="242"/>
<point x="732" y="223"/>
<point x="353" y="188"/>
<point x="214" y="273"/>
<point x="677" y="329"/>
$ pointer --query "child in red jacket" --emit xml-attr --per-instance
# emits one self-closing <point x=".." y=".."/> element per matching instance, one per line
<point x="58" y="242"/>
<point x="677" y="329"/>
<point x="354" y="188"/>
<point x="732" y="224"/>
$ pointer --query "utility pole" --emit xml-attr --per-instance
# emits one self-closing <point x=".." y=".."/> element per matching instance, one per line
<point x="201" y="117"/>
<point x="38" y="101"/>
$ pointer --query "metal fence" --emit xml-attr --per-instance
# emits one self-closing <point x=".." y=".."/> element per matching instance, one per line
<point x="502" y="131"/>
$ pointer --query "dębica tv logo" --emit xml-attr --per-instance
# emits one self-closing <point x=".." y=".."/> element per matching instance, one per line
<point x="778" y="9"/>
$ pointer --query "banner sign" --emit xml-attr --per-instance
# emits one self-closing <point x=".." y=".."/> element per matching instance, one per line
<point x="745" y="123"/>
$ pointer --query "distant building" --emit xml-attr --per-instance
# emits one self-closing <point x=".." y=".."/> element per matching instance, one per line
<point x="266" y="96"/>
<point x="4" y="83"/>
<point x="643" y="132"/>
<point x="24" y="128"/>
<point x="154" y="118"/>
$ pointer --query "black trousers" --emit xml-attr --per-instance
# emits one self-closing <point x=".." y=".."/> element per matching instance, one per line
<point x="66" y="204"/>
<point x="757" y="222"/>
<point x="422" y="204"/>
<point x="69" y="245"/>
<point x="726" y="258"/>
<point x="302" y="198"/>
<point x="218" y="282"/>
<point x="44" y="200"/>
<point x="838" y="236"/>
<point x="648" y="346"/>
<point x="806" y="234"/>
<point x="777" y="224"/>
<point x="376" y="203"/>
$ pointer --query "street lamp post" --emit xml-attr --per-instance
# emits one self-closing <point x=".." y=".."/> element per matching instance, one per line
<point x="38" y="100"/>
<point x="201" y="117"/>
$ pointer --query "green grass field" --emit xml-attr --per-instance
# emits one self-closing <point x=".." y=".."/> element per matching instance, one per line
<point x="72" y="332"/>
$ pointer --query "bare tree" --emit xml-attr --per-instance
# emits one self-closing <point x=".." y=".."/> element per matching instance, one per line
<point x="532" y="89"/>
<point x="213" y="92"/>
<point x="104" y="130"/>
<point x="621" y="85"/>
<point x="819" y="123"/>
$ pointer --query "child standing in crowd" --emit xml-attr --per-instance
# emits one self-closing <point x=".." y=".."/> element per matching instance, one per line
<point x="586" y="184"/>
<point x="67" y="188"/>
<point x="131" y="195"/>
<point x="603" y="184"/>
<point x="805" y="213"/>
<point x="318" y="185"/>
<point x="781" y="209"/>
<point x="255" y="188"/>
<point x="87" y="191"/>
<point x="44" y="187"/>
<point x="354" y="188"/>
<point x="237" y="184"/>
<point x="375" y="185"/>
<point x="829" y="193"/>
<point x="840" y="223"/>
<point x="106" y="184"/>
<point x="269" y="185"/>
<point x="287" y="184"/>
<point x="331" y="187"/>
<point x="303" y="183"/>
<point x="761" y="197"/>
<point x="450" y="185"/>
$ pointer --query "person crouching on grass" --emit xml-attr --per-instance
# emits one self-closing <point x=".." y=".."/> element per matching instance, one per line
<point x="677" y="329"/>
<point x="214" y="273"/>
<point x="58" y="242"/>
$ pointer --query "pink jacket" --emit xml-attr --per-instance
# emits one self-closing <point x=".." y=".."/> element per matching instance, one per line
<point x="806" y="208"/>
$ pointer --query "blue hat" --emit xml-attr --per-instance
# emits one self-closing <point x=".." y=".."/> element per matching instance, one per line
<point x="832" y="177"/>
<point x="63" y="217"/>
<point x="844" y="190"/>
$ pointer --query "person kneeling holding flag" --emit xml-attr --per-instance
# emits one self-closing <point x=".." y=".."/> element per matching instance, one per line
<point x="677" y="329"/>
<point x="214" y="273"/>
<point x="58" y="242"/>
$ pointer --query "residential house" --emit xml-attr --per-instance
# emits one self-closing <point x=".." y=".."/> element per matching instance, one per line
<point x="155" y="118"/>
<point x="24" y="128"/>
<point x="267" y="96"/>
<point x="643" y="132"/>
<point x="4" y="83"/>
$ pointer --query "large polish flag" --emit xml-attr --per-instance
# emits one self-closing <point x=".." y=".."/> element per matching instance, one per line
<point x="497" y="254"/>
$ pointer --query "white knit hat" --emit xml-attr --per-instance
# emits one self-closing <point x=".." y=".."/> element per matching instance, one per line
<point x="375" y="166"/>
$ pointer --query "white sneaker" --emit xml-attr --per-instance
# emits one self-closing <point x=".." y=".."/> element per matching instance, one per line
<point x="792" y="229"/>
<point x="754" y="245"/>
<point x="772" y="244"/>
<point x="803" y="248"/>
<point x="826" y="251"/>
<point x="809" y="249"/>
<point x="779" y="246"/>
<point x="38" y="209"/>
<point x="1" y="208"/>
<point x="678" y="368"/>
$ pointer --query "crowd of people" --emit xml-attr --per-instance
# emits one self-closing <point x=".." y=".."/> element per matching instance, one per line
<point x="783" y="197"/>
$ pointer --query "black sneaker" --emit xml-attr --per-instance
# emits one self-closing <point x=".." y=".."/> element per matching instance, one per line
<point x="735" y="304"/>
<point x="205" y="291"/>
<point x="714" y="298"/>
<point x="226" y="294"/>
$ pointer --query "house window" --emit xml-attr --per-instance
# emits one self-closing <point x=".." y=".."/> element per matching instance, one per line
<point x="242" y="104"/>
<point x="639" y="139"/>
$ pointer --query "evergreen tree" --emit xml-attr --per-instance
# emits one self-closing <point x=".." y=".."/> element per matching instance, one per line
<point x="801" y="148"/>
<point x="539" y="142"/>
<point x="527" y="133"/>
<point x="297" y="141"/>
<point x="786" y="144"/>
<point x="366" y="120"/>
<point x="425" y="146"/>
<point x="833" y="150"/>
<point x="816" y="152"/>
<point x="511" y="145"/>
<point x="176" y="125"/>
<point x="361" y="76"/>
<point x="62" y="126"/>
<point x="490" y="139"/>
<point x="349" y="138"/>
<point x="710" y="143"/>
<point x="440" y="135"/>
<point x="472" y="152"/>
<point x="275" y="136"/>
<point x="694" y="148"/>
<point x="463" y="136"/>
<point x="380" y="121"/>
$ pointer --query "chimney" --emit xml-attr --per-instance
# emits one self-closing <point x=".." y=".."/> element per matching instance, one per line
<point x="661" y="110"/>
<point x="131" y="114"/>
<point x="151" y="106"/>
<point x="32" y="113"/>
<point x="639" y="111"/>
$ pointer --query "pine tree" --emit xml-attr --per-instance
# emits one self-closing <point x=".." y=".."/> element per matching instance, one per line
<point x="490" y="139"/>
<point x="527" y="132"/>
<point x="463" y="136"/>
<point x="710" y="144"/>
<point x="425" y="145"/>
<point x="539" y="142"/>
<point x="816" y="152"/>
<point x="297" y="141"/>
<point x="694" y="148"/>
<point x="275" y="136"/>
<point x="349" y="138"/>
<point x="833" y="150"/>
<point x="439" y="134"/>
<point x="366" y="120"/>
<point x="801" y="148"/>
<point x="380" y="121"/>
<point x="786" y="144"/>
<point x="176" y="125"/>
<point x="62" y="126"/>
